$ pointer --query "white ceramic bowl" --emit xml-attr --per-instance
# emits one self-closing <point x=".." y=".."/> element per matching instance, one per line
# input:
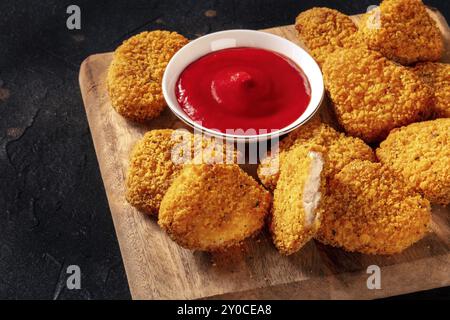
<point x="242" y="38"/>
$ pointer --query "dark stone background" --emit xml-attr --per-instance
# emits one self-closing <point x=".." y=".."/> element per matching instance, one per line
<point x="53" y="208"/>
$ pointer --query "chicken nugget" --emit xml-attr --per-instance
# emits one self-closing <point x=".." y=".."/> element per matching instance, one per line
<point x="296" y="211"/>
<point x="151" y="169"/>
<point x="158" y="158"/>
<point x="403" y="31"/>
<point x="323" y="30"/>
<point x="212" y="207"/>
<point x="136" y="71"/>
<point x="420" y="153"/>
<point x="437" y="76"/>
<point x="268" y="169"/>
<point x="372" y="95"/>
<point x="339" y="149"/>
<point x="368" y="209"/>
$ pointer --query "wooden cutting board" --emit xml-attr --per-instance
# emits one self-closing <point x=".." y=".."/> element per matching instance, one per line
<point x="158" y="268"/>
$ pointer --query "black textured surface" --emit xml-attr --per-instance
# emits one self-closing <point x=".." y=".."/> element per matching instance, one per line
<point x="53" y="208"/>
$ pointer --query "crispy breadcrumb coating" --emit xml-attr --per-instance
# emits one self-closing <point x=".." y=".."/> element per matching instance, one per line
<point x="437" y="76"/>
<point x="268" y="170"/>
<point x="420" y="152"/>
<point x="212" y="207"/>
<point x="157" y="159"/>
<point x="136" y="71"/>
<point x="338" y="148"/>
<point x="323" y="30"/>
<point x="371" y="95"/>
<point x="371" y="210"/>
<point x="296" y="211"/>
<point x="403" y="31"/>
<point x="151" y="169"/>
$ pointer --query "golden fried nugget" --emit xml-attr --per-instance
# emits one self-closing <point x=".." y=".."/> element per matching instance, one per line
<point x="372" y="95"/>
<point x="212" y="207"/>
<point x="268" y="170"/>
<point x="339" y="150"/>
<point x="403" y="31"/>
<point x="158" y="158"/>
<point x="368" y="209"/>
<point x="136" y="71"/>
<point x="437" y="76"/>
<point x="151" y="169"/>
<point x="420" y="152"/>
<point x="296" y="211"/>
<point x="323" y="30"/>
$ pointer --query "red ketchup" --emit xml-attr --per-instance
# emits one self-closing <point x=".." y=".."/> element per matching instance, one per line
<point x="243" y="88"/>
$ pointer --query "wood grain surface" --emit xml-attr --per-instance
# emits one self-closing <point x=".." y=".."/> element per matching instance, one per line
<point x="157" y="268"/>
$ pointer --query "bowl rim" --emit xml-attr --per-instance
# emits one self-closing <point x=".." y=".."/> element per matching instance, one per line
<point x="236" y="137"/>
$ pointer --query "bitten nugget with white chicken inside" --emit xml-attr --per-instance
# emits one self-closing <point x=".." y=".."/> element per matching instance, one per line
<point x="372" y="95"/>
<point x="420" y="153"/>
<point x="212" y="207"/>
<point x="151" y="169"/>
<point x="136" y="71"/>
<point x="369" y="209"/>
<point x="296" y="211"/>
<point x="403" y="31"/>
<point x="324" y="30"/>
<point x="340" y="150"/>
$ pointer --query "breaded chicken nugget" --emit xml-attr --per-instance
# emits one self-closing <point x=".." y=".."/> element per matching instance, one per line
<point x="212" y="207"/>
<point x="420" y="152"/>
<point x="158" y="158"/>
<point x="136" y="71"/>
<point x="372" y="95"/>
<point x="339" y="149"/>
<point x="368" y="209"/>
<point x="437" y="76"/>
<point x="151" y="169"/>
<point x="268" y="170"/>
<point x="296" y="211"/>
<point x="323" y="30"/>
<point x="403" y="31"/>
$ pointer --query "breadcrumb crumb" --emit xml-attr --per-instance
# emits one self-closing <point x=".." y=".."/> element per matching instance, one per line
<point x="420" y="152"/>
